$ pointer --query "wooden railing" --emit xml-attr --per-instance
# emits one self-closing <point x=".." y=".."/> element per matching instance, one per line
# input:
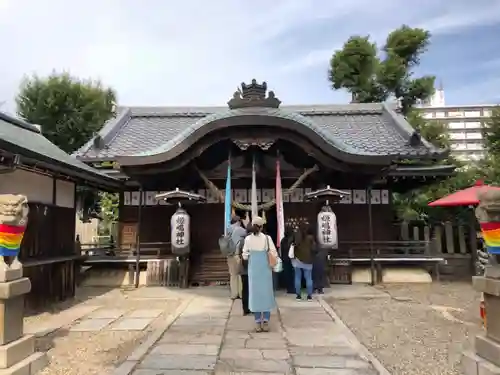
<point x="146" y="250"/>
<point x="363" y="248"/>
<point x="378" y="254"/>
<point x="162" y="267"/>
<point x="445" y="238"/>
<point x="456" y="242"/>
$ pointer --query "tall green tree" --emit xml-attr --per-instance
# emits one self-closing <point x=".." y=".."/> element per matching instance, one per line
<point x="69" y="110"/>
<point x="491" y="133"/>
<point x="374" y="75"/>
<point x="489" y="166"/>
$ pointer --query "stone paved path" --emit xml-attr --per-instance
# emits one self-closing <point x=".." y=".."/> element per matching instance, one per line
<point x="210" y="337"/>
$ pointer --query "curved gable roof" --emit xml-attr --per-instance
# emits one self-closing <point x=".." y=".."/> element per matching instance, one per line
<point x="252" y="116"/>
<point x="370" y="133"/>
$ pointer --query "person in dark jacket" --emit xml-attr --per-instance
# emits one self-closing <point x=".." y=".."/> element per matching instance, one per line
<point x="320" y="260"/>
<point x="286" y="276"/>
<point x="244" y="279"/>
<point x="304" y="242"/>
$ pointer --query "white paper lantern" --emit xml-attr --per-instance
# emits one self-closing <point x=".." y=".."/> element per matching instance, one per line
<point x="180" y="232"/>
<point x="327" y="228"/>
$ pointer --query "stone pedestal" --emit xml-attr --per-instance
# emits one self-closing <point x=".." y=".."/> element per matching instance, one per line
<point x="17" y="352"/>
<point x="486" y="358"/>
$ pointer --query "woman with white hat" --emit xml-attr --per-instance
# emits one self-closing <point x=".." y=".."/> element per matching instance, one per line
<point x="259" y="250"/>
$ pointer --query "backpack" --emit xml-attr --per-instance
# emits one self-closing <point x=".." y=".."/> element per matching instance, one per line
<point x="226" y="245"/>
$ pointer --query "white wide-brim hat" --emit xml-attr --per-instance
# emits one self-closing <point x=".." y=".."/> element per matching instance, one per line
<point x="257" y="220"/>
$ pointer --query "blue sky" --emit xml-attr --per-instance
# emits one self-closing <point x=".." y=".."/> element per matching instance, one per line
<point x="196" y="52"/>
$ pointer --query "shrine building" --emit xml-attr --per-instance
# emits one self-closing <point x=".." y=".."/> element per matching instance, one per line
<point x="357" y="148"/>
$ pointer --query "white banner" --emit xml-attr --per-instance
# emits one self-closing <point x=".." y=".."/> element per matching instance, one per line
<point x="280" y="215"/>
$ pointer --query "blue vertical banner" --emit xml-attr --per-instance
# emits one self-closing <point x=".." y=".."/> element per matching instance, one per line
<point x="228" y="197"/>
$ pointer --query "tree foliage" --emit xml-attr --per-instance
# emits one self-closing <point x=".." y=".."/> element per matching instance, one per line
<point x="414" y="204"/>
<point x="489" y="167"/>
<point x="491" y="133"/>
<point x="372" y="75"/>
<point x="433" y="131"/>
<point x="109" y="209"/>
<point x="69" y="110"/>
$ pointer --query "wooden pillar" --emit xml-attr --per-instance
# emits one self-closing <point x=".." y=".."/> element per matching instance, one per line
<point x="448" y="232"/>
<point x="473" y="240"/>
<point x="461" y="239"/>
<point x="138" y="240"/>
<point x="370" y="235"/>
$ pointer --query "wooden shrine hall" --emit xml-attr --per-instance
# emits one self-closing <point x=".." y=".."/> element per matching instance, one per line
<point x="353" y="147"/>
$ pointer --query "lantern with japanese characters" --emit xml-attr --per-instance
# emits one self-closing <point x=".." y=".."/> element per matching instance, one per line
<point x="180" y="232"/>
<point x="327" y="228"/>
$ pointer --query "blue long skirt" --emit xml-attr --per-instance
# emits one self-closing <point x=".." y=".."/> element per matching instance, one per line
<point x="260" y="282"/>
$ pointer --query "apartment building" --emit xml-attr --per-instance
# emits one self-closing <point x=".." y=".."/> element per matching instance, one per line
<point x="464" y="123"/>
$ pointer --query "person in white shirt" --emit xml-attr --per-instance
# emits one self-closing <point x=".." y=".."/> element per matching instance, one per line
<point x="260" y="275"/>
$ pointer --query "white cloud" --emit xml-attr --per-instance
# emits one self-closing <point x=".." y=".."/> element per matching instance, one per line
<point x="463" y="17"/>
<point x="488" y="89"/>
<point x="196" y="51"/>
<point x="450" y="19"/>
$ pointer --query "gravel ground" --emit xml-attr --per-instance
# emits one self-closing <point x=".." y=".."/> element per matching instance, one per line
<point x="417" y="329"/>
<point x="77" y="353"/>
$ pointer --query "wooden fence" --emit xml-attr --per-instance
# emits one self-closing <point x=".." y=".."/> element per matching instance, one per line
<point x="48" y="255"/>
<point x="457" y="243"/>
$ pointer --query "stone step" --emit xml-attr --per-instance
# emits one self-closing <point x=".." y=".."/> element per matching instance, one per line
<point x="29" y="366"/>
<point x="16" y="351"/>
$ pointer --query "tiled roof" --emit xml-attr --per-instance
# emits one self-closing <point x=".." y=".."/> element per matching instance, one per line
<point x="26" y="140"/>
<point x="357" y="129"/>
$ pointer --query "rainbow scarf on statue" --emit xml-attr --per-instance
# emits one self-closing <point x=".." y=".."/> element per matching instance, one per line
<point x="491" y="236"/>
<point x="11" y="237"/>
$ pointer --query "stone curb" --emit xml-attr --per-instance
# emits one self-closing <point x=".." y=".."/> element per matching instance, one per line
<point x="133" y="360"/>
<point x="363" y="296"/>
<point x="284" y="336"/>
<point x="354" y="340"/>
<point x="225" y="329"/>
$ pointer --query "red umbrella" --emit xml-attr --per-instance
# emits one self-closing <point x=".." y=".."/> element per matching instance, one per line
<point x="465" y="197"/>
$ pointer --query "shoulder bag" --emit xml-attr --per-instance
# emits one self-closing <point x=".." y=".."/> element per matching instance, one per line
<point x="274" y="261"/>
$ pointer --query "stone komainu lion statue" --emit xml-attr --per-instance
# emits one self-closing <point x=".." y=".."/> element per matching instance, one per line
<point x="13" y="221"/>
<point x="488" y="215"/>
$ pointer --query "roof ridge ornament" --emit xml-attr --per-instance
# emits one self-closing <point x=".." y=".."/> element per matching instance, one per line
<point x="253" y="95"/>
<point x="415" y="139"/>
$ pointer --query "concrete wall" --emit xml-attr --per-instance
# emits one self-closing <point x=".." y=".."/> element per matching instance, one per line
<point x="87" y="231"/>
